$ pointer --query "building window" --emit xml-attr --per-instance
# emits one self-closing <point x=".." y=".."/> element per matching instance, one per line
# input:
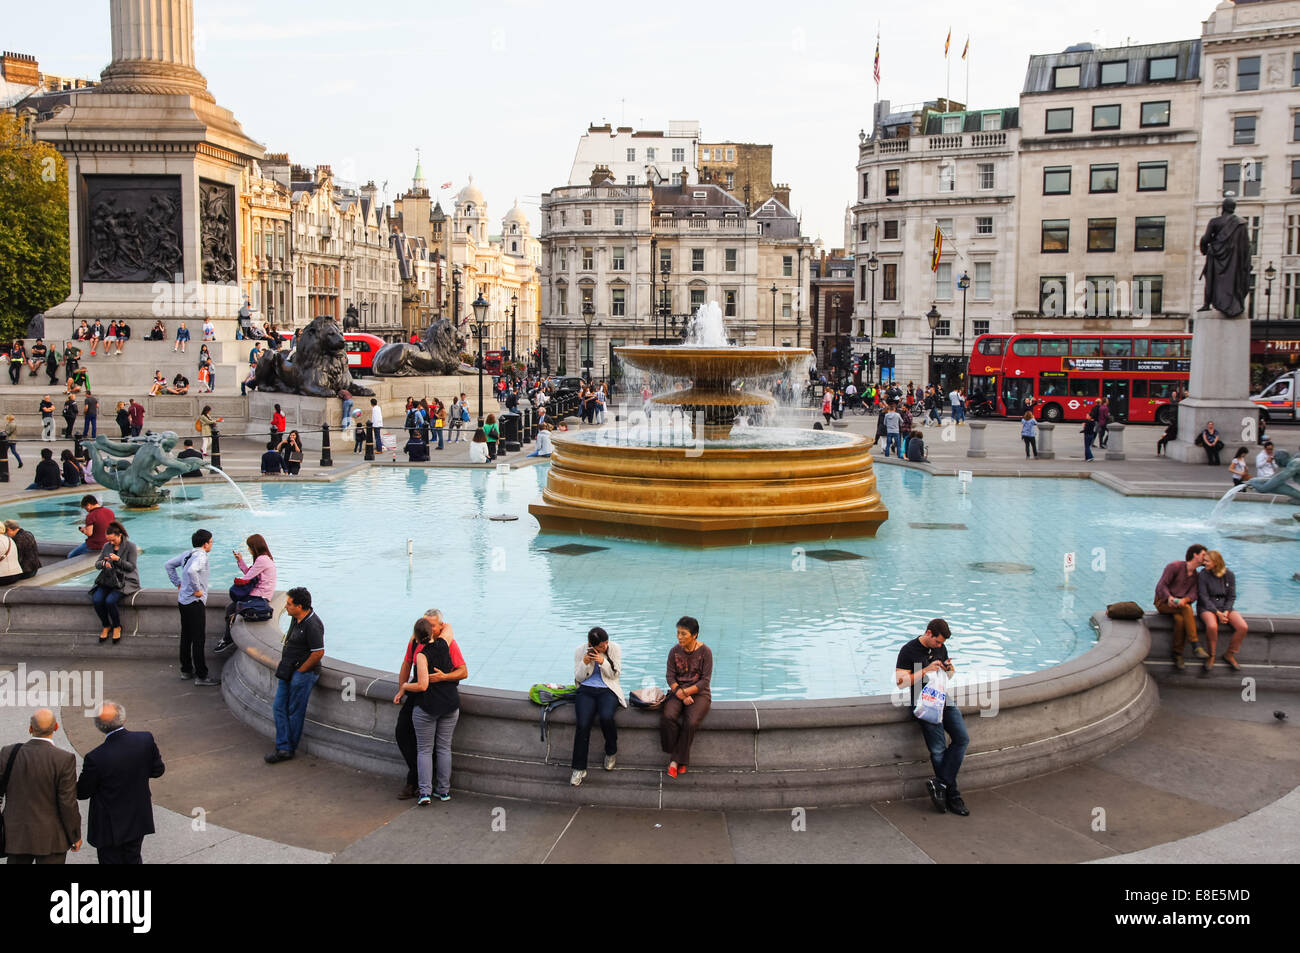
<point x="731" y="181"/>
<point x="1292" y="234"/>
<point x="561" y="301"/>
<point x="980" y="327"/>
<point x="1105" y="117"/>
<point x="1247" y="73"/>
<point x="942" y="328"/>
<point x="631" y="180"/>
<point x="697" y="259"/>
<point x="863" y="231"/>
<point x="650" y="154"/>
<point x="588" y="296"/>
<point x="1236" y="183"/>
<point x="1103" y="178"/>
<point x="731" y="155"/>
<point x="991" y="122"/>
<point x="888" y="328"/>
<point x="679" y="155"/>
<point x="1243" y="130"/>
<point x="947" y="176"/>
<point x="891" y="181"/>
<point x="943" y="282"/>
<point x="787" y="266"/>
<point x="631" y="155"/>
<point x="891" y="229"/>
<point x="677" y="178"/>
<point x="1113" y="74"/>
<point x="618" y="302"/>
<point x="889" y="282"/>
<point x="1295" y="176"/>
<point x="1155" y="114"/>
<point x="786" y="304"/>
<point x="866" y="176"/>
<point x="1060" y="120"/>
<point x="588" y="258"/>
<point x="665" y="259"/>
<point x="1165" y="67"/>
<point x="1150" y="235"/>
<point x="983" y="224"/>
<point x="1056" y="236"/>
<point x="1148" y="294"/>
<point x="986" y="176"/>
<point x="1056" y="180"/>
<point x="1291" y="296"/>
<point x="951" y="125"/>
<point x="618" y="215"/>
<point x="697" y="299"/>
<point x="729" y="259"/>
<point x="1295" y="127"/>
<point x="983" y="280"/>
<point x="1065" y="77"/>
<point x="1100" y="296"/>
<point x="618" y="259"/>
<point x="1153" y="176"/>
<point x="1101" y="234"/>
<point x="729" y="303"/>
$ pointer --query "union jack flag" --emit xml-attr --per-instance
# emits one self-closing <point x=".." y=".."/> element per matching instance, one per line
<point x="445" y="185"/>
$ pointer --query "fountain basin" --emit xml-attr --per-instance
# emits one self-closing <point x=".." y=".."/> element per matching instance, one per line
<point x="711" y="494"/>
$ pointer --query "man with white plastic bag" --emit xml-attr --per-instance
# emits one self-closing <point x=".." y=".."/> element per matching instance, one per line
<point x="923" y="665"/>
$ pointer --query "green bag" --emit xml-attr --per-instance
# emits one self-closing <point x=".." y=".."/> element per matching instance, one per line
<point x="543" y="693"/>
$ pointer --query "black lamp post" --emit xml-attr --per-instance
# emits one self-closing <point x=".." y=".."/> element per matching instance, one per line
<point x="588" y="315"/>
<point x="963" y="283"/>
<point x="774" y="314"/>
<point x="1270" y="275"/>
<point x="514" y="307"/>
<point x="933" y="317"/>
<point x="480" y="328"/>
<point x="365" y="306"/>
<point x="665" y="272"/>
<point x="455" y="297"/>
<point x="872" y="264"/>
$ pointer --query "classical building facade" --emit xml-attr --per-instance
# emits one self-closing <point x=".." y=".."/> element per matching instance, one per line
<point x="922" y="170"/>
<point x="1107" y="180"/>
<point x="638" y="157"/>
<point x="266" y="245"/>
<point x="1250" y="148"/>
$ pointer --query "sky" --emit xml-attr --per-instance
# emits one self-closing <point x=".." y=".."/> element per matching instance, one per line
<point x="503" y="89"/>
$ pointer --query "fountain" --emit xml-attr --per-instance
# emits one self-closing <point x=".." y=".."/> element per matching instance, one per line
<point x="137" y="467"/>
<point x="747" y="485"/>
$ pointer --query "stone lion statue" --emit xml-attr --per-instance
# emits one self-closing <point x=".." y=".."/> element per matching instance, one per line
<point x="318" y="366"/>
<point x="438" y="353"/>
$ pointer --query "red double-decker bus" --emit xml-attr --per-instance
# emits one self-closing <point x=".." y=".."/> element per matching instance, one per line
<point x="1136" y="374"/>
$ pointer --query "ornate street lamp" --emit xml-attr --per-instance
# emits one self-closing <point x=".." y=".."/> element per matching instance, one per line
<point x="514" y="307"/>
<point x="1270" y="275"/>
<point x="963" y="283"/>
<point x="665" y="272"/>
<point x="774" y="314"/>
<point x="480" y="328"/>
<point x="588" y="315"/>
<point x="933" y="317"/>
<point x="872" y="264"/>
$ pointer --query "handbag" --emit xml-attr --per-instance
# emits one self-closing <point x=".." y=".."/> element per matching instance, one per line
<point x="9" y="770"/>
<point x="110" y="575"/>
<point x="243" y="588"/>
<point x="295" y="456"/>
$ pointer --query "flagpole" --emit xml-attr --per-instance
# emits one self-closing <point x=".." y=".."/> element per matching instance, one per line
<point x="967" y="58"/>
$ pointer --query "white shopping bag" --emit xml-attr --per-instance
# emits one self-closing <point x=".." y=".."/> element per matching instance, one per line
<point x="933" y="697"/>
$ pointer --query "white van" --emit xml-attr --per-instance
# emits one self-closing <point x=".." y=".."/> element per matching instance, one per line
<point x="1280" y="400"/>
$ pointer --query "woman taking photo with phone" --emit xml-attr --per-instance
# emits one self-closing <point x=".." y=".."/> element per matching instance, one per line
<point x="596" y="669"/>
<point x="117" y="578"/>
<point x="262" y="569"/>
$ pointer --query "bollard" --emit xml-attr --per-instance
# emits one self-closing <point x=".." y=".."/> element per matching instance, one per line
<point x="325" y="459"/>
<point x="1115" y="442"/>
<point x="215" y="459"/>
<point x="1045" y="451"/>
<point x="370" y="441"/>
<point x="78" y="451"/>
<point x="977" y="439"/>
<point x="4" y="459"/>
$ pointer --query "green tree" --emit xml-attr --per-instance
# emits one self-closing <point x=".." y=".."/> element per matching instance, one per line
<point x="33" y="227"/>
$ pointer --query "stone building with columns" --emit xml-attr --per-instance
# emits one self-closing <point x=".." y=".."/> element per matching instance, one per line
<point x="266" y="244"/>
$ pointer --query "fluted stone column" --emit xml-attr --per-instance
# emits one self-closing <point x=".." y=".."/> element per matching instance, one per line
<point x="153" y="49"/>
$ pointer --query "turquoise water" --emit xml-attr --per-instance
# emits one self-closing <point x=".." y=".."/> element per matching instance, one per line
<point x="781" y="623"/>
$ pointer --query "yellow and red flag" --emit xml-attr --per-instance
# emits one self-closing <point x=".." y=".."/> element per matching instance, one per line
<point x="947" y="42"/>
<point x="938" y="248"/>
<point x="965" y="49"/>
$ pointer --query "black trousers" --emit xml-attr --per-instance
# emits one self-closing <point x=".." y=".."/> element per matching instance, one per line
<point x="61" y="858"/>
<point x="678" y="723"/>
<point x="67" y="431"/>
<point x="193" y="636"/>
<point x="128" y="853"/>
<point x="406" y="739"/>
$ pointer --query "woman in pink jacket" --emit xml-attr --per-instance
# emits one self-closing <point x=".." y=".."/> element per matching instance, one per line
<point x="262" y="567"/>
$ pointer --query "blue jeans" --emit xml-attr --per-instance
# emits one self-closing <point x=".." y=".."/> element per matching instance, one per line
<point x="81" y="550"/>
<point x="290" y="708"/>
<point x="892" y="443"/>
<point x="589" y="703"/>
<point x="106" y="601"/>
<point x="958" y="412"/>
<point x="1088" y="438"/>
<point x="90" y="423"/>
<point x="438" y="431"/>
<point x="946" y="759"/>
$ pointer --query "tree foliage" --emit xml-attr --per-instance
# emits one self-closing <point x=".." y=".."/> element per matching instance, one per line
<point x="34" y="273"/>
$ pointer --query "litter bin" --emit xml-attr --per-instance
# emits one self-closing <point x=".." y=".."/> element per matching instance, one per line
<point x="510" y="424"/>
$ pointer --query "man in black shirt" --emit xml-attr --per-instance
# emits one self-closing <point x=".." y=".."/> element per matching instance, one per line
<point x="272" y="461"/>
<point x="47" y="418"/>
<point x="189" y="451"/>
<point x="916" y="659"/>
<point x="48" y="476"/>
<point x="916" y="448"/>
<point x="298" y="672"/>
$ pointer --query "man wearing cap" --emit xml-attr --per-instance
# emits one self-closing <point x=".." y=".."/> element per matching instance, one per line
<point x="916" y="659"/>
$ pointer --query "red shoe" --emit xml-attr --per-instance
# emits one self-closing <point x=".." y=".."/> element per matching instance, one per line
<point x="672" y="770"/>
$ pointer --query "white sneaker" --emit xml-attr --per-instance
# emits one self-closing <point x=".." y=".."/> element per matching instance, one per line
<point x="576" y="777"/>
<point x="609" y="762"/>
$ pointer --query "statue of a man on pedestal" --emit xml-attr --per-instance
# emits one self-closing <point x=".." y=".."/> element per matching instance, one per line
<point x="1226" y="247"/>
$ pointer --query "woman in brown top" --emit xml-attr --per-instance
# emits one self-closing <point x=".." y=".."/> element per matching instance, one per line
<point x="690" y="669"/>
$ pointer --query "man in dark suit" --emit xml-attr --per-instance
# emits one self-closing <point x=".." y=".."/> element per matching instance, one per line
<point x="115" y="776"/>
<point x="41" y="818"/>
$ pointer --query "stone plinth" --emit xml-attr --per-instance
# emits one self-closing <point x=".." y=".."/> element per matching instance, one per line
<point x="1219" y="388"/>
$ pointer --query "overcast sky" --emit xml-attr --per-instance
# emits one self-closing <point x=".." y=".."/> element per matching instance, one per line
<point x="503" y="89"/>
